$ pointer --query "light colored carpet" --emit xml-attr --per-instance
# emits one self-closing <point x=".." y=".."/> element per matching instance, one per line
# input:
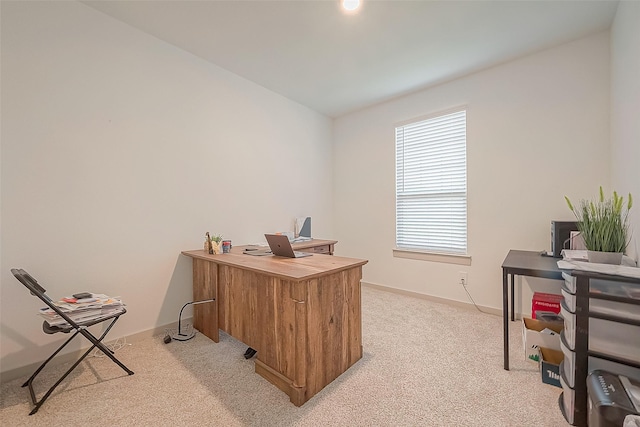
<point x="424" y="364"/>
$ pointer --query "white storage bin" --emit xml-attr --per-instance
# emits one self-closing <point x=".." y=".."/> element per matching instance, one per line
<point x="569" y="299"/>
<point x="569" y="282"/>
<point x="569" y="362"/>
<point x="609" y="287"/>
<point x="612" y="338"/>
<point x="569" y="325"/>
<point x="611" y="308"/>
<point x="568" y="400"/>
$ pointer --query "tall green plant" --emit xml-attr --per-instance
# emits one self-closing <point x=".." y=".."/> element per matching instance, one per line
<point x="603" y="224"/>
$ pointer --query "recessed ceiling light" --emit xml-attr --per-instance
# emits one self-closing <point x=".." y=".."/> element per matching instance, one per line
<point x="350" y="5"/>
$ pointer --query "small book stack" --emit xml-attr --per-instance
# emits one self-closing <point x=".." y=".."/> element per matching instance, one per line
<point x="82" y="310"/>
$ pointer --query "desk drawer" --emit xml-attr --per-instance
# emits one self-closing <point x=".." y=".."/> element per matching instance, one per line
<point x="598" y="306"/>
<point x="568" y="400"/>
<point x="323" y="249"/>
<point x="568" y="367"/>
<point x="605" y="336"/>
<point x="606" y="287"/>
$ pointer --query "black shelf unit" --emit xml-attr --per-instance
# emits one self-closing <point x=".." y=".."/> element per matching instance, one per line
<point x="582" y="314"/>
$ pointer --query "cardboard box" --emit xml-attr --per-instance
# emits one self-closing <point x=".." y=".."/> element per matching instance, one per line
<point x="533" y="337"/>
<point x="545" y="303"/>
<point x="550" y="366"/>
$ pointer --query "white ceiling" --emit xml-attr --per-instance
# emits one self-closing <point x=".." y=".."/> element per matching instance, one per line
<point x="334" y="63"/>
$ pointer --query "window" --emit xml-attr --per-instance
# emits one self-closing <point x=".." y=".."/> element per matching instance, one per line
<point x="431" y="184"/>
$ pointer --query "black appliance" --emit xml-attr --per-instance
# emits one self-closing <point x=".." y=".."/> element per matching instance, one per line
<point x="611" y="398"/>
<point x="560" y="235"/>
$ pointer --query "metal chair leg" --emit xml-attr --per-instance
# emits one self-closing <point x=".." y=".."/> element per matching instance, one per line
<point x="96" y="343"/>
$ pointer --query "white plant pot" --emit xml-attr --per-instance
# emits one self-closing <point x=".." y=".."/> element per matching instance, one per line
<point x="614" y="258"/>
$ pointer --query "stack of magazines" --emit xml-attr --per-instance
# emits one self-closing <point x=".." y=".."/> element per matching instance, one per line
<point x="82" y="310"/>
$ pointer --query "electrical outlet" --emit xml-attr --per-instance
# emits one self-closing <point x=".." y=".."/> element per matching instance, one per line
<point x="463" y="278"/>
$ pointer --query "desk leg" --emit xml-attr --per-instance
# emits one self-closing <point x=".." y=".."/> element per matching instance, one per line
<point x="513" y="297"/>
<point x="505" y="315"/>
<point x="205" y="286"/>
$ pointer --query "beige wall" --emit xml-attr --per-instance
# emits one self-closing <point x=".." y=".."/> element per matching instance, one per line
<point x="119" y="151"/>
<point x="538" y="129"/>
<point x="110" y="138"/>
<point x="625" y="109"/>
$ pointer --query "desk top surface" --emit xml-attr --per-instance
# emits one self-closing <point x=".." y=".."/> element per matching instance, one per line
<point x="532" y="263"/>
<point x="289" y="268"/>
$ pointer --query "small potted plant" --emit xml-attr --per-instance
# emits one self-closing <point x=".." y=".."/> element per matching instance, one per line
<point x="604" y="226"/>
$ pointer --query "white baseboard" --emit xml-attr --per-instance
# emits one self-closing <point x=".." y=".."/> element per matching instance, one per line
<point x="461" y="304"/>
<point x="27" y="370"/>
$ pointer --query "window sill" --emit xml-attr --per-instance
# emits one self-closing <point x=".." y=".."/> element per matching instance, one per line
<point x="432" y="256"/>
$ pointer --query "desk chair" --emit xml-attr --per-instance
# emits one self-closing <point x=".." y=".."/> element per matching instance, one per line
<point x="79" y="327"/>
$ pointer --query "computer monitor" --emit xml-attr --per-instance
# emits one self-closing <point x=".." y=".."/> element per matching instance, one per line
<point x="303" y="227"/>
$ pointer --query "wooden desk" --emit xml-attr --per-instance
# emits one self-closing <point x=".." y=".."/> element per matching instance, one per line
<point x="523" y="263"/>
<point x="302" y="315"/>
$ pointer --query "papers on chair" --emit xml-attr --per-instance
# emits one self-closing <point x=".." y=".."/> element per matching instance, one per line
<point x="98" y="306"/>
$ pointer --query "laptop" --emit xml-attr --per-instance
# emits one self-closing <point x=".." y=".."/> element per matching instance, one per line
<point x="280" y="246"/>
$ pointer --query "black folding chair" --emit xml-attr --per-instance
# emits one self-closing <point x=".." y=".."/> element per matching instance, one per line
<point x="79" y="328"/>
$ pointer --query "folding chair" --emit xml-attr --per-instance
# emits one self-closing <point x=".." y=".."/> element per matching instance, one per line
<point x="79" y="327"/>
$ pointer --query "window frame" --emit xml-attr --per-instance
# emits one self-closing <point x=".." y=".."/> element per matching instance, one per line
<point x="426" y="253"/>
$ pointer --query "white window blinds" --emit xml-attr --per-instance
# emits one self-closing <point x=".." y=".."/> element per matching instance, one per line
<point x="431" y="184"/>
